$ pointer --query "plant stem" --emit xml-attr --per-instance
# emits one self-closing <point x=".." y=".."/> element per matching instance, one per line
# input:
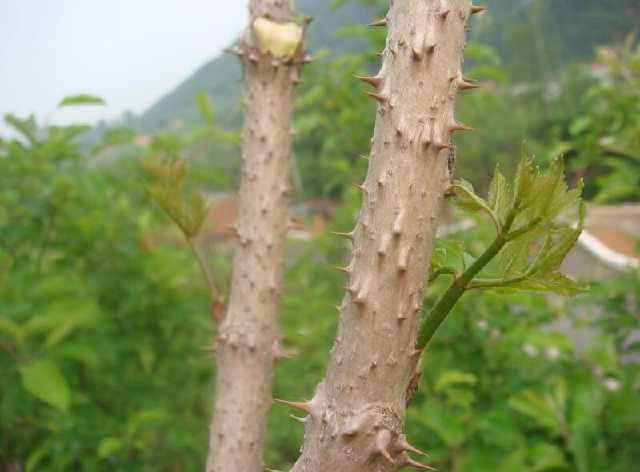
<point x="442" y="271"/>
<point x="213" y="289"/>
<point x="462" y="283"/>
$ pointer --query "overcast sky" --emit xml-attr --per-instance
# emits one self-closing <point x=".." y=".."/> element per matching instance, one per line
<point x="130" y="52"/>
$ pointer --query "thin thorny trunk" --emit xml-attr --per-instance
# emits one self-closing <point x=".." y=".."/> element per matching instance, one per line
<point x="248" y="334"/>
<point x="355" y="421"/>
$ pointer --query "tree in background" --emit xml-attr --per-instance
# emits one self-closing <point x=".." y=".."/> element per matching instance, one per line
<point x="272" y="51"/>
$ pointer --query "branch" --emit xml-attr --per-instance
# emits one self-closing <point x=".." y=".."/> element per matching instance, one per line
<point x="217" y="299"/>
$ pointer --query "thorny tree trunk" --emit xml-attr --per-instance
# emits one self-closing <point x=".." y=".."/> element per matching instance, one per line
<point x="355" y="421"/>
<point x="248" y="335"/>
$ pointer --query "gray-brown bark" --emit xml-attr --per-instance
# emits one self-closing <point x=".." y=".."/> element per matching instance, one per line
<point x="355" y="421"/>
<point x="271" y="55"/>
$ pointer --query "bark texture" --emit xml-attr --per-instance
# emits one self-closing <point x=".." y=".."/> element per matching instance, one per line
<point x="248" y="335"/>
<point x="355" y="421"/>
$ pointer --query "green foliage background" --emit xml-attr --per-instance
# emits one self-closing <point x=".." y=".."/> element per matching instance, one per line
<point x="105" y="320"/>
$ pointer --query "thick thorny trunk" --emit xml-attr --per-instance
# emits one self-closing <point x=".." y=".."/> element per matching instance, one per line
<point x="271" y="55"/>
<point x="355" y="421"/>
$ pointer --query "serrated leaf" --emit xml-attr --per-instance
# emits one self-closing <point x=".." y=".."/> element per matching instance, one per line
<point x="552" y="283"/>
<point x="499" y="198"/>
<point x="80" y="100"/>
<point x="523" y="184"/>
<point x="43" y="380"/>
<point x="467" y="198"/>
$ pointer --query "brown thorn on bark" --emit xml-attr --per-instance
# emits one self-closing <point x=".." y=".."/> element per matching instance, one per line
<point x="417" y="353"/>
<point x="464" y="84"/>
<point x="404" y="445"/>
<point x="416" y="52"/>
<point x="441" y="146"/>
<point x="306" y="407"/>
<point x="280" y="352"/>
<point x="360" y="187"/>
<point x="382" y="441"/>
<point x="444" y="14"/>
<point x="384" y="245"/>
<point x="344" y="235"/>
<point x="363" y="293"/>
<point x="403" y="259"/>
<point x="430" y="48"/>
<point x="374" y="80"/>
<point x="377" y="96"/>
<point x="405" y="461"/>
<point x="380" y="22"/>
<point x="298" y="419"/>
<point x="478" y="9"/>
<point x="397" y="224"/>
<point x="460" y="127"/>
<point x="236" y="51"/>
<point x="344" y="270"/>
<point x="353" y="426"/>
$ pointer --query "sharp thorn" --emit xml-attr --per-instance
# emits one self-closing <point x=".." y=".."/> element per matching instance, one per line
<point x="460" y="127"/>
<point x="298" y="419"/>
<point x="408" y="461"/>
<point x="387" y="456"/>
<point x="382" y="441"/>
<point x="306" y="407"/>
<point x="344" y="270"/>
<point x="441" y="146"/>
<point x="344" y="235"/>
<point x="360" y="186"/>
<point x="371" y="80"/>
<point x="405" y="446"/>
<point x="377" y="96"/>
<point x="417" y="352"/>
<point x="236" y="51"/>
<point x="380" y="22"/>
<point x="444" y="14"/>
<point x="463" y="84"/>
<point x="477" y="9"/>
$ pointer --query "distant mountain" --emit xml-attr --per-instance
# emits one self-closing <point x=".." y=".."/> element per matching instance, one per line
<point x="533" y="36"/>
<point x="221" y="76"/>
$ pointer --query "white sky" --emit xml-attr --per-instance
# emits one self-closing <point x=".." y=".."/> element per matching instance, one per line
<point x="130" y="52"/>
